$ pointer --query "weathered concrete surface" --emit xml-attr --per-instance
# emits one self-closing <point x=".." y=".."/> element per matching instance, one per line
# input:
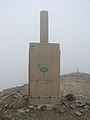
<point x="44" y="70"/>
<point x="44" y="27"/>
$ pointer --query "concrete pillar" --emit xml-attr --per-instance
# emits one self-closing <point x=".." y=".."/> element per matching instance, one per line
<point x="44" y="27"/>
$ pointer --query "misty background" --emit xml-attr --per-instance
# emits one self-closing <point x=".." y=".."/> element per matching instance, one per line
<point x="69" y="25"/>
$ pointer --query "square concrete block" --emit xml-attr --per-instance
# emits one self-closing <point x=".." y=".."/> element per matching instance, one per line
<point x="44" y="70"/>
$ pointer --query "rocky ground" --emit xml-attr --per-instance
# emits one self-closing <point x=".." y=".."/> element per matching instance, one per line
<point x="76" y="83"/>
<point x="73" y="104"/>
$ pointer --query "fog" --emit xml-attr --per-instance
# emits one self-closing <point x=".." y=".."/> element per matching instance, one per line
<point x="69" y="25"/>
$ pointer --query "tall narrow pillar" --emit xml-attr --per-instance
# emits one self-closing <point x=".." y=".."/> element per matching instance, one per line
<point x="44" y="27"/>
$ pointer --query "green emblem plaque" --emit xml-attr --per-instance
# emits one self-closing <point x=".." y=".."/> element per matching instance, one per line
<point x="44" y="69"/>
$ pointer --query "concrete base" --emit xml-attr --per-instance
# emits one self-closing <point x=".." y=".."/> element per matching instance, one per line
<point x="44" y="70"/>
<point x="38" y="101"/>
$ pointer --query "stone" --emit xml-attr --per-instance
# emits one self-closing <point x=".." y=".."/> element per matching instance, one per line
<point x="13" y="119"/>
<point x="70" y="97"/>
<point x="6" y="117"/>
<point x="87" y="107"/>
<point x="31" y="107"/>
<point x="80" y="103"/>
<point x="21" y="110"/>
<point x="27" y="110"/>
<point x="42" y="107"/>
<point x="72" y="106"/>
<point x="6" y="105"/>
<point x="0" y="109"/>
<point x="88" y="103"/>
<point x="59" y="108"/>
<point x="78" y="113"/>
<point x="49" y="106"/>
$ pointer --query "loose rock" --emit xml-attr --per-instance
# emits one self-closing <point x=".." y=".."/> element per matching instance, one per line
<point x="80" y="103"/>
<point x="70" y="97"/>
<point x="78" y="113"/>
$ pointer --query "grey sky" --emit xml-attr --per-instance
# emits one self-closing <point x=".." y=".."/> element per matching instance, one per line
<point x="69" y="25"/>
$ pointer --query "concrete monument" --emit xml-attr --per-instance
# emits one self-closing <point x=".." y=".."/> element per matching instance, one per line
<point x="44" y="65"/>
